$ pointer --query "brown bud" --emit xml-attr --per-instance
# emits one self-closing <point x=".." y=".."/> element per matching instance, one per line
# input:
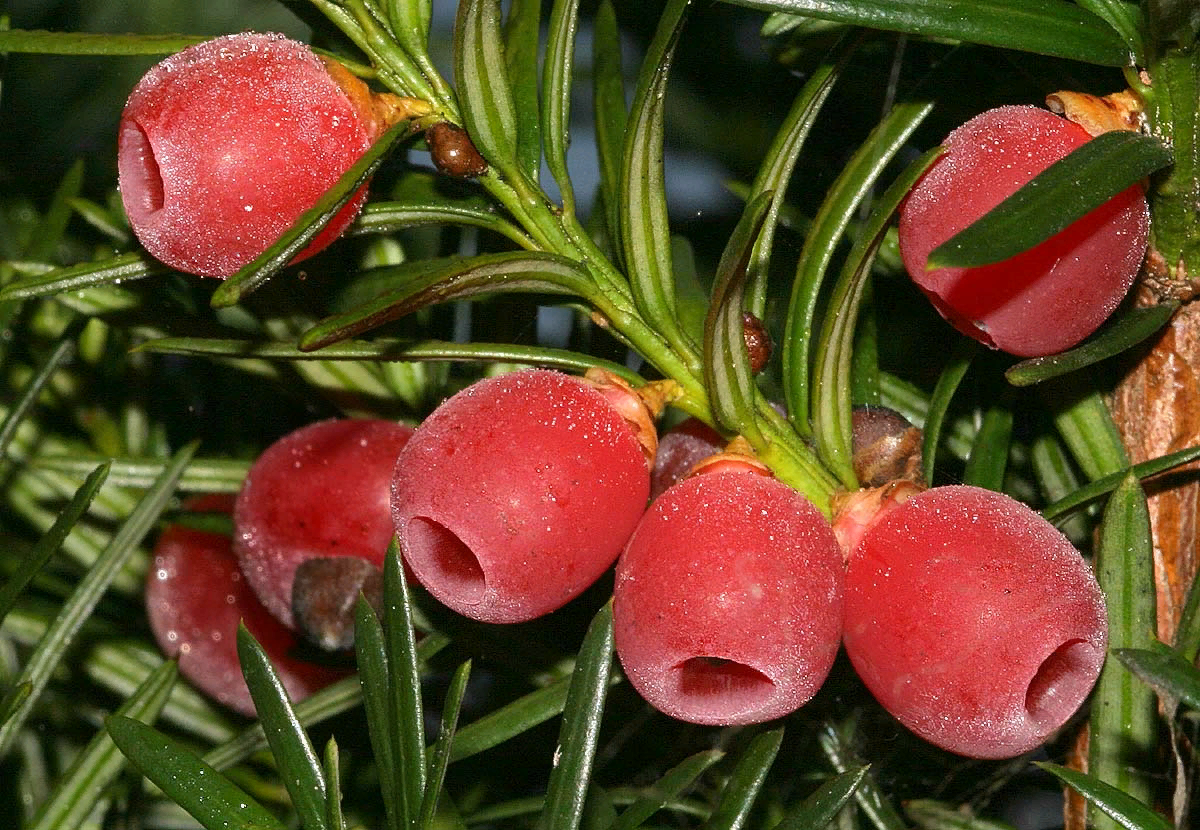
<point x="453" y="151"/>
<point x="324" y="593"/>
<point x="679" y="449"/>
<point x="885" y="446"/>
<point x="758" y="341"/>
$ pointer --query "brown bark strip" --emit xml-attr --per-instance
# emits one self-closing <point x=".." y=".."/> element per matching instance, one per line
<point x="1157" y="409"/>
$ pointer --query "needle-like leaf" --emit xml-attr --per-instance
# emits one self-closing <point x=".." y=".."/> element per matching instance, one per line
<point x="1047" y="27"/>
<point x="206" y="794"/>
<point x="54" y="645"/>
<point x="1124" y="809"/>
<point x="81" y="787"/>
<point x="572" y="764"/>
<point x="1065" y="191"/>
<point x="299" y="766"/>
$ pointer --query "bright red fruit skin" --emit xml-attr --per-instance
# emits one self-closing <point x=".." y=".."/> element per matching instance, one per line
<point x="974" y="621"/>
<point x="223" y="145"/>
<point x="320" y="491"/>
<point x="195" y="598"/>
<point x="516" y="494"/>
<point x="727" y="607"/>
<point x="1050" y="297"/>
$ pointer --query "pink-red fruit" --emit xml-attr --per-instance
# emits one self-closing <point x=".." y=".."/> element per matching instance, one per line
<point x="320" y="491"/>
<point x="1050" y="297"/>
<point x="516" y="494"/>
<point x="727" y="607"/>
<point x="223" y="145"/>
<point x="195" y="598"/>
<point x="974" y="621"/>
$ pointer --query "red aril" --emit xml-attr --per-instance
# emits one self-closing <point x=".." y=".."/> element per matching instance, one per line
<point x="195" y="598"/>
<point x="517" y="493"/>
<point x="320" y="492"/>
<point x="1050" y="297"/>
<point x="727" y="607"/>
<point x="223" y="145"/>
<point x="974" y="621"/>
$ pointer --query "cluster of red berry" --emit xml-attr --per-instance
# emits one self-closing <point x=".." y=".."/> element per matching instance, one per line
<point x="969" y="617"/>
<point x="224" y="145"/>
<point x="316" y="497"/>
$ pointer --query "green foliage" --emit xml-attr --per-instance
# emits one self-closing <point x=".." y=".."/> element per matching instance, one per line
<point x="1056" y="197"/>
<point x="1124" y="718"/>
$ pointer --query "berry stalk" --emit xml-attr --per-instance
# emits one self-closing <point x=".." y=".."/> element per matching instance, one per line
<point x="1170" y="88"/>
<point x="555" y="230"/>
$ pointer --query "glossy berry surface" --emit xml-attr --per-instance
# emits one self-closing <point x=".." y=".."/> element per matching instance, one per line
<point x="516" y="494"/>
<point x="195" y="598"/>
<point x="1050" y="297"/>
<point x="974" y="621"/>
<point x="727" y="607"/>
<point x="223" y="145"/>
<point x="318" y="492"/>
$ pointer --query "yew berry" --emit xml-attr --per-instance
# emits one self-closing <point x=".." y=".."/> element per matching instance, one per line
<point x="320" y="492"/>
<point x="727" y="606"/>
<point x="1050" y="297"/>
<point x="973" y="621"/>
<point x="517" y="493"/>
<point x="223" y="145"/>
<point x="195" y="598"/>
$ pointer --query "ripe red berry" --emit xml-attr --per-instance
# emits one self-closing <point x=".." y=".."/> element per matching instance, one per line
<point x="727" y="607"/>
<point x="223" y="145"/>
<point x="517" y="493"/>
<point x="974" y="621"/>
<point x="195" y="597"/>
<point x="1050" y="297"/>
<point x="318" y="492"/>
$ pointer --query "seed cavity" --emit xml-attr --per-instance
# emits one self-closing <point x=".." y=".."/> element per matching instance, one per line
<point x="1061" y="682"/>
<point x="143" y="188"/>
<point x="441" y="558"/>
<point x="724" y="687"/>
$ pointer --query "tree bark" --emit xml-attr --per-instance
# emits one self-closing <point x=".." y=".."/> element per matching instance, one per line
<point x="1157" y="408"/>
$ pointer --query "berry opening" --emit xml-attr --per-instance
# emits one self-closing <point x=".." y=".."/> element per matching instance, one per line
<point x="444" y="560"/>
<point x="141" y="180"/>
<point x="722" y="688"/>
<point x="1062" y="680"/>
